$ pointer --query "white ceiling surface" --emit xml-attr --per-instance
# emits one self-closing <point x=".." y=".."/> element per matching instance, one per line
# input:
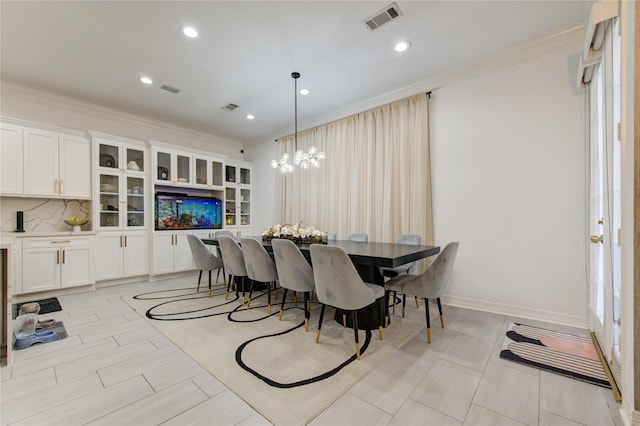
<point x="95" y="51"/>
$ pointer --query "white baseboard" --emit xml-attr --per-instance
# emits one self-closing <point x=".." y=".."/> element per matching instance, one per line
<point x="516" y="311"/>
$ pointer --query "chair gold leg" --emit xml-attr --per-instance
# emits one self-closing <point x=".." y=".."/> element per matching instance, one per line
<point x="386" y="321"/>
<point x="442" y="320"/>
<point x="295" y="299"/>
<point x="198" y="288"/>
<point x="280" y="316"/>
<point x="417" y="306"/>
<point x="242" y="301"/>
<point x="226" y="296"/>
<point x="403" y="311"/>
<point x="317" y="336"/>
<point x="269" y="310"/>
<point x="344" y="320"/>
<point x="428" y="335"/>
<point x="306" y="325"/>
<point x="248" y="302"/>
<point x="380" y="329"/>
<point x="358" y="351"/>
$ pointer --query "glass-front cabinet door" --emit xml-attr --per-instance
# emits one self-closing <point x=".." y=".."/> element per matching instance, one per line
<point x="245" y="206"/>
<point x="109" y="207"/>
<point x="135" y="202"/>
<point x="135" y="160"/>
<point x="230" y="206"/>
<point x="183" y="168"/>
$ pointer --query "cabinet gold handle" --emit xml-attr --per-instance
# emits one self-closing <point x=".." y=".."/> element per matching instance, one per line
<point x="125" y="240"/>
<point x="63" y="255"/>
<point x="55" y="186"/>
<point x="61" y="186"/>
<point x="595" y="239"/>
<point x="120" y="240"/>
<point x="58" y="257"/>
<point x="60" y="241"/>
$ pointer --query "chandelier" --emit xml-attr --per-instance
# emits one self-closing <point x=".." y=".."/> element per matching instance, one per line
<point x="300" y="159"/>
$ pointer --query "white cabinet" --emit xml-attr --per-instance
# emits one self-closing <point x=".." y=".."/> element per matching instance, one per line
<point x="208" y="172"/>
<point x="121" y="185"/>
<point x="44" y="163"/>
<point x="237" y="198"/>
<point x="51" y="263"/>
<point x="172" y="167"/>
<point x="121" y="255"/>
<point x="56" y="165"/>
<point x="171" y="252"/>
<point x="11" y="180"/>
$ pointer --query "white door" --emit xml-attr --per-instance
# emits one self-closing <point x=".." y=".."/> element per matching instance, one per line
<point x="136" y="254"/>
<point x="108" y="256"/>
<point x="75" y="266"/>
<point x="605" y="204"/>
<point x="11" y="160"/>
<point x="183" y="256"/>
<point x="75" y="167"/>
<point x="163" y="248"/>
<point x="41" y="176"/>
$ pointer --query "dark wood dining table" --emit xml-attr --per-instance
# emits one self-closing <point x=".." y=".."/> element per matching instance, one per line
<point x="368" y="258"/>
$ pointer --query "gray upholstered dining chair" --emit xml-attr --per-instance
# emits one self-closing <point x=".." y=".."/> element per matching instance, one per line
<point x="215" y="237"/>
<point x="428" y="285"/>
<point x="358" y="237"/>
<point x="339" y="285"/>
<point x="294" y="273"/>
<point x="203" y="258"/>
<point x="407" y="268"/>
<point x="260" y="267"/>
<point x="233" y="260"/>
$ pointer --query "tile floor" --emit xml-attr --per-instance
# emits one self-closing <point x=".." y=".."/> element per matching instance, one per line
<point x="116" y="369"/>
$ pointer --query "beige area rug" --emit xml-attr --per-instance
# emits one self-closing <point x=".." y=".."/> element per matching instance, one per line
<point x="287" y="377"/>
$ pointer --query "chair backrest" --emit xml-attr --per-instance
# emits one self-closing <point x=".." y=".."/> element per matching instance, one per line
<point x="260" y="266"/>
<point x="412" y="239"/>
<point x="202" y="257"/>
<point x="434" y="280"/>
<point x="358" y="237"/>
<point x="294" y="272"/>
<point x="337" y="281"/>
<point x="232" y="256"/>
<point x="224" y="232"/>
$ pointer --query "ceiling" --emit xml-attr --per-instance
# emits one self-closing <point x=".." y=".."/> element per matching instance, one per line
<point x="246" y="50"/>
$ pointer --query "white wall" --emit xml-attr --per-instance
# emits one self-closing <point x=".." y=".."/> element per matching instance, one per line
<point x="264" y="181"/>
<point x="509" y="183"/>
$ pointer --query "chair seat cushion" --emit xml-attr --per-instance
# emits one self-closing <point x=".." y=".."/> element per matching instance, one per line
<point x="397" y="283"/>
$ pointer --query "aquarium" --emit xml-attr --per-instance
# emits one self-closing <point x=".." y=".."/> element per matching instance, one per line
<point x="183" y="211"/>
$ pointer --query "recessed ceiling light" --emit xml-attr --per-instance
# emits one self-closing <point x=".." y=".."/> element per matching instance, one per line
<point x="250" y="117"/>
<point x="146" y="80"/>
<point x="189" y="31"/>
<point x="402" y="46"/>
<point x="304" y="92"/>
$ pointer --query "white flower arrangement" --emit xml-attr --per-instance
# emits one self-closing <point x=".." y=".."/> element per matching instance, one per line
<point x="296" y="232"/>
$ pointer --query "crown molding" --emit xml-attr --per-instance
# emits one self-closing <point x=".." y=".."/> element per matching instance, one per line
<point x="523" y="52"/>
<point x="74" y="105"/>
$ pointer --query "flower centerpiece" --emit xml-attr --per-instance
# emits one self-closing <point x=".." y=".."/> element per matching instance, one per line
<point x="296" y="233"/>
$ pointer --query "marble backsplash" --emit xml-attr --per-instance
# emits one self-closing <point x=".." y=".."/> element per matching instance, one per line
<point x="42" y="214"/>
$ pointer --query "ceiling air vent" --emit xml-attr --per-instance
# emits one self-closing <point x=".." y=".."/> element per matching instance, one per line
<point x="229" y="107"/>
<point x="169" y="88"/>
<point x="387" y="14"/>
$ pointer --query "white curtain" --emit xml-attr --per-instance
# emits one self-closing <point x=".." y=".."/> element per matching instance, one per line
<point x="376" y="178"/>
